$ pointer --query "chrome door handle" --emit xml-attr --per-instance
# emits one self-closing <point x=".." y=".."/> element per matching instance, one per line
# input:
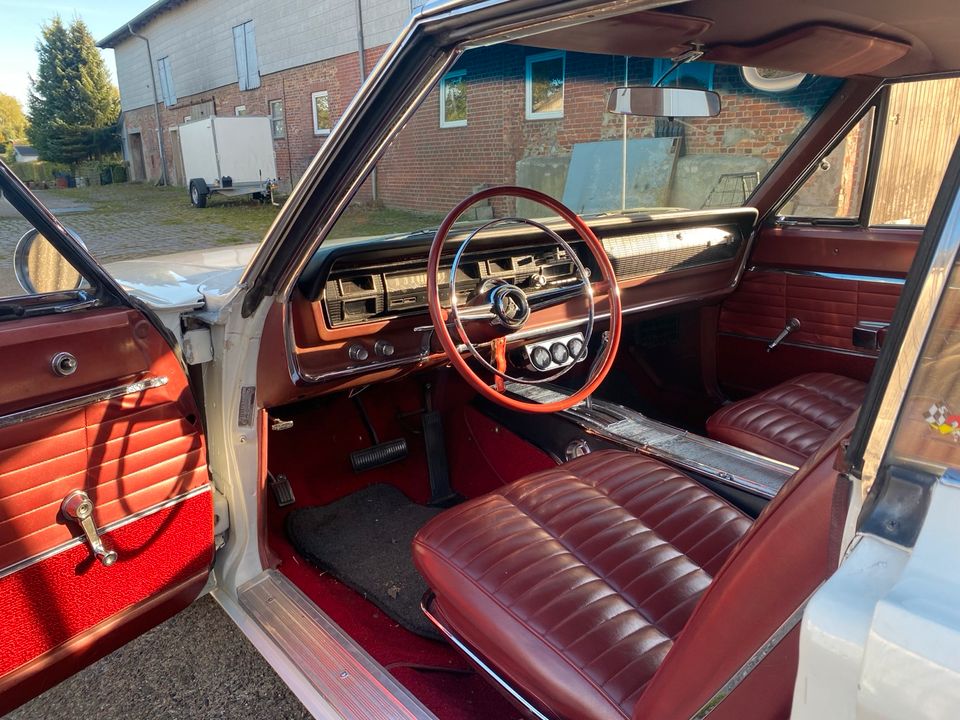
<point x="792" y="324"/>
<point x="78" y="506"/>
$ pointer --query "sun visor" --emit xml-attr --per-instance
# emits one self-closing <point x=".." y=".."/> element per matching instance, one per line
<point x="650" y="34"/>
<point x="815" y="49"/>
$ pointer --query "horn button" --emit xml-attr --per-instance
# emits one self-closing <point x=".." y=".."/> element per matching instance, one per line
<point x="510" y="306"/>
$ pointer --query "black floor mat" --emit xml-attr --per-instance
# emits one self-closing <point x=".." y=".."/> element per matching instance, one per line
<point x="364" y="541"/>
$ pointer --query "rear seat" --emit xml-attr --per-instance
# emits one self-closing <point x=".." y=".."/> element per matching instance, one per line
<point x="789" y="421"/>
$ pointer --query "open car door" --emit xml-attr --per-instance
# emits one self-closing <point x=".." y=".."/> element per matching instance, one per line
<point x="106" y="510"/>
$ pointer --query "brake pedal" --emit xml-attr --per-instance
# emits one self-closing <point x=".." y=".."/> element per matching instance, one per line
<point x="282" y="491"/>
<point x="380" y="453"/>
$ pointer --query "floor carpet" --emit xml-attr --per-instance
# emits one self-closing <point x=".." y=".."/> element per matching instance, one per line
<point x="364" y="540"/>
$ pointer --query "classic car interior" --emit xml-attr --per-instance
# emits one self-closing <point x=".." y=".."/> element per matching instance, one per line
<point x="589" y="459"/>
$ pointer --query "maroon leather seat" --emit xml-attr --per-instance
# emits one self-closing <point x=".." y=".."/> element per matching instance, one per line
<point x="574" y="582"/>
<point x="790" y="421"/>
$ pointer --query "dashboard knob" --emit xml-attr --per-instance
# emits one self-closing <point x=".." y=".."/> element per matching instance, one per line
<point x="540" y="358"/>
<point x="383" y="348"/>
<point x="559" y="353"/>
<point x="357" y="352"/>
<point x="575" y="346"/>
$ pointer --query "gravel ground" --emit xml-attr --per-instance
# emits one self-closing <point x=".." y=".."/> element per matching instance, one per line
<point x="196" y="665"/>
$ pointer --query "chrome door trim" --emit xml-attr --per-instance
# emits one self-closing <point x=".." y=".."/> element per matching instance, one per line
<point x="804" y="346"/>
<point x="857" y="277"/>
<point x="109" y="527"/>
<point x="53" y="408"/>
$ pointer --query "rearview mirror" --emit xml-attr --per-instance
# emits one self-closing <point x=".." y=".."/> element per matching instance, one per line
<point x="663" y="102"/>
<point x="40" y="268"/>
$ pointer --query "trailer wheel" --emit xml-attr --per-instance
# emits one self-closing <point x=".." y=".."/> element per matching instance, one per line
<point x="198" y="193"/>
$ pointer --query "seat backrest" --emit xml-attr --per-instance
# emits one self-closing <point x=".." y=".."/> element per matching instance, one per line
<point x="790" y="550"/>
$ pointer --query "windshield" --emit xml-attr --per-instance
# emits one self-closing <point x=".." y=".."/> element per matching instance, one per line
<point x="515" y="115"/>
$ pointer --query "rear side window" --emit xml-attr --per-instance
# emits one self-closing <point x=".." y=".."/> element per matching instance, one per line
<point x="896" y="182"/>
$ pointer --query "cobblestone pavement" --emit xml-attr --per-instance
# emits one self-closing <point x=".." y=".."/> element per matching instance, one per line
<point x="120" y="222"/>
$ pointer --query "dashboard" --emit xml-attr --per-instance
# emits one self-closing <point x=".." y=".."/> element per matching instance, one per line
<point x="360" y="310"/>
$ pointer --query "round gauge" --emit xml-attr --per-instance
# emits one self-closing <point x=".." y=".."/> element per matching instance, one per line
<point x="540" y="358"/>
<point x="575" y="346"/>
<point x="559" y="353"/>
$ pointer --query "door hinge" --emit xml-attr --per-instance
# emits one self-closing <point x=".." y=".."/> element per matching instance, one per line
<point x="221" y="519"/>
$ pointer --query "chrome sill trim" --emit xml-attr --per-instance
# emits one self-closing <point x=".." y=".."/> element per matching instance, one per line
<point x="609" y="421"/>
<point x="342" y="672"/>
<point x="750" y="665"/>
<point x="115" y="525"/>
<point x="804" y="346"/>
<point x="79" y="402"/>
<point x="829" y="275"/>
<point x="476" y="659"/>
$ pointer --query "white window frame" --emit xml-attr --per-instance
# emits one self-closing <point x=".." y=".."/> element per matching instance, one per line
<point x="274" y="118"/>
<point x="245" y="52"/>
<point x="528" y="85"/>
<point x="167" y="91"/>
<point x="444" y="123"/>
<point x="240" y="110"/>
<point x="317" y="130"/>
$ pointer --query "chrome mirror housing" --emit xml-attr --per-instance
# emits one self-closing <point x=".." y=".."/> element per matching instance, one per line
<point x="39" y="266"/>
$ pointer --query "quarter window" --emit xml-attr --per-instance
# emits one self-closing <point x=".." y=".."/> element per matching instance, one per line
<point x="544" y="85"/>
<point x="453" y="99"/>
<point x="277" y="126"/>
<point x="245" y="49"/>
<point x="320" y="101"/>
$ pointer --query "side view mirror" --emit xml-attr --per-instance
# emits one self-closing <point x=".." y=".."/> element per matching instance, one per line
<point x="663" y="102"/>
<point x="39" y="266"/>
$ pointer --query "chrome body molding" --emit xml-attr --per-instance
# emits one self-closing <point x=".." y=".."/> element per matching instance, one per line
<point x="110" y="527"/>
<point x="476" y="660"/>
<point x="748" y="667"/>
<point x="331" y="661"/>
<point x="829" y="275"/>
<point x="622" y="426"/>
<point x="53" y="408"/>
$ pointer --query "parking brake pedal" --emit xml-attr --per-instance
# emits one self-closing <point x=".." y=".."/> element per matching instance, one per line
<point x="380" y="453"/>
<point x="441" y="494"/>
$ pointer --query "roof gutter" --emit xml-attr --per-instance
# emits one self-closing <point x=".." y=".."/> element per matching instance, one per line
<point x="156" y="104"/>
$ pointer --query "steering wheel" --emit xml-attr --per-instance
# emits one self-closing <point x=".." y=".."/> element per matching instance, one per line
<point x="503" y="308"/>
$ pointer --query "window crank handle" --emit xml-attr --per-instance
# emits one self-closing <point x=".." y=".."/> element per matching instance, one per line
<point x="792" y="324"/>
<point x="78" y="507"/>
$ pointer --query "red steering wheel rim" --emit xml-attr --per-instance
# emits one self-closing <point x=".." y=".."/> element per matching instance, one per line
<point x="439" y="316"/>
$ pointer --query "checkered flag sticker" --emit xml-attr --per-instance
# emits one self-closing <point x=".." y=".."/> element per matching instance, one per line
<point x="937" y="415"/>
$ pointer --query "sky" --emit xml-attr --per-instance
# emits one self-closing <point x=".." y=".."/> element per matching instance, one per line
<point x="20" y="22"/>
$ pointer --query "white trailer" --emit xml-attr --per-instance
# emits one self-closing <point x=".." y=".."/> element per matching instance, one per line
<point x="228" y="156"/>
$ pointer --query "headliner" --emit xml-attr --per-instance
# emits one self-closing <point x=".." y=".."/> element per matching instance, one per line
<point x="890" y="38"/>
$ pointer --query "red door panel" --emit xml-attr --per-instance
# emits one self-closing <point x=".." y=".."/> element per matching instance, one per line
<point x="124" y="428"/>
<point x="830" y="279"/>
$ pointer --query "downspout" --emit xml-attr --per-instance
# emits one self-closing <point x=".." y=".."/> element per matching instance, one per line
<point x="156" y="105"/>
<point x="361" y="56"/>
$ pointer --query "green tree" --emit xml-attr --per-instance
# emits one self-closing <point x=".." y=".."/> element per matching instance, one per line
<point x="13" y="123"/>
<point x="73" y="107"/>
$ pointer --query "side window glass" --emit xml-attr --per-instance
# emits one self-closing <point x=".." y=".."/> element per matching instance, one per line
<point x="835" y="189"/>
<point x="922" y="125"/>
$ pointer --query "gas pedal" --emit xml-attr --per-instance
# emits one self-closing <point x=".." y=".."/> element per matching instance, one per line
<point x="282" y="492"/>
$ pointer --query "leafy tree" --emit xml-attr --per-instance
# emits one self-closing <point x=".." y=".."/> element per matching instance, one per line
<point x="13" y="123"/>
<point x="73" y="107"/>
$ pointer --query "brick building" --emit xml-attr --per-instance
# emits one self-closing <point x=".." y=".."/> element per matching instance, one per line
<point x="504" y="114"/>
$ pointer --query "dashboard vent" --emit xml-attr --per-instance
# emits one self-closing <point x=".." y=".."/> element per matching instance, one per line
<point x="354" y="298"/>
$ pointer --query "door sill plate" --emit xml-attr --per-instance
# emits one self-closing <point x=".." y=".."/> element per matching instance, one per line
<point x="338" y="669"/>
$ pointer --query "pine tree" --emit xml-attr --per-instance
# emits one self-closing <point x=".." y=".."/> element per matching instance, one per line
<point x="73" y="107"/>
